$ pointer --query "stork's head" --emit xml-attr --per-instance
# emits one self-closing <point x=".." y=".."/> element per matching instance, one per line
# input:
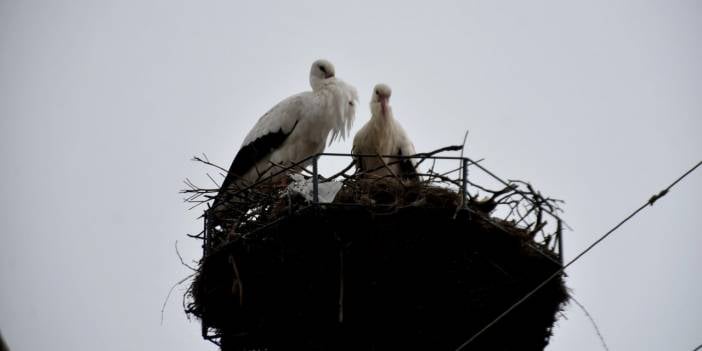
<point x="321" y="70"/>
<point x="380" y="101"/>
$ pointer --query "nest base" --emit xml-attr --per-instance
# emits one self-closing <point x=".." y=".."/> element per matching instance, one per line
<point x="347" y="278"/>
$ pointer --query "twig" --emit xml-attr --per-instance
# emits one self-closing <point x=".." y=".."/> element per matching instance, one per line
<point x="206" y="161"/>
<point x="463" y="145"/>
<point x="181" y="258"/>
<point x="592" y="320"/>
<point x="212" y="179"/>
<point x="236" y="284"/>
<point x="353" y="162"/>
<point x="163" y="307"/>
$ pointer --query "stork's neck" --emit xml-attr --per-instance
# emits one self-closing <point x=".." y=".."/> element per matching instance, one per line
<point x="380" y="116"/>
<point x="319" y="84"/>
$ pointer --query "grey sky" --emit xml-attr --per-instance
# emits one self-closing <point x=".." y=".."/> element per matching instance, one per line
<point x="103" y="103"/>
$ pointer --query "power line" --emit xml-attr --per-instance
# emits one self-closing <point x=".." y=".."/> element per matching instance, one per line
<point x="650" y="202"/>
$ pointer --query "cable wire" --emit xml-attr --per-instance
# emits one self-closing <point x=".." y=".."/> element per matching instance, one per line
<point x="650" y="202"/>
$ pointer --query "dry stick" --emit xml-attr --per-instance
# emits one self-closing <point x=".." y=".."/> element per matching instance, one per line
<point x="523" y="218"/>
<point x="426" y="155"/>
<point x="650" y="202"/>
<point x="507" y="191"/>
<point x="430" y="170"/>
<point x="432" y="177"/>
<point x="385" y="165"/>
<point x="465" y="138"/>
<point x="163" y="307"/>
<point x="442" y="178"/>
<point x="190" y="184"/>
<point x="538" y="203"/>
<point x="181" y="258"/>
<point x="207" y="162"/>
<point x="212" y="179"/>
<point x="296" y="164"/>
<point x="292" y="168"/>
<point x="592" y="320"/>
<point x="500" y="227"/>
<point x="512" y="207"/>
<point x="536" y="199"/>
<point x="236" y="284"/>
<point x="539" y="220"/>
<point x="399" y="159"/>
<point x="353" y="162"/>
<point x="518" y="191"/>
<point x="200" y="235"/>
<point x="536" y="206"/>
<point x="261" y="181"/>
<point x="451" y="171"/>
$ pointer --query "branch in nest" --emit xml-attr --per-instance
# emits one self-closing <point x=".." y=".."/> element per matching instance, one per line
<point x="343" y="171"/>
<point x="206" y="161"/>
<point x="181" y="257"/>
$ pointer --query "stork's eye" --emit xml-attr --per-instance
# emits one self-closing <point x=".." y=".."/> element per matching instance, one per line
<point x="323" y="69"/>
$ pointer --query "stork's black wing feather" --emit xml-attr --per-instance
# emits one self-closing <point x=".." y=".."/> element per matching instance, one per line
<point x="250" y="154"/>
<point x="407" y="169"/>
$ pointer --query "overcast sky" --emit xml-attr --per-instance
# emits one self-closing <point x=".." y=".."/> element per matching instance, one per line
<point x="102" y="104"/>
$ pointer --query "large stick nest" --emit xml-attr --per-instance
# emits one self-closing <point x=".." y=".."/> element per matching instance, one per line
<point x="388" y="265"/>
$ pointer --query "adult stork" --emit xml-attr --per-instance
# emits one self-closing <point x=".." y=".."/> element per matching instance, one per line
<point x="291" y="131"/>
<point x="383" y="135"/>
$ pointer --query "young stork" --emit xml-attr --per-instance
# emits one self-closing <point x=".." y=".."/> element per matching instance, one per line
<point x="383" y="135"/>
<point x="292" y="130"/>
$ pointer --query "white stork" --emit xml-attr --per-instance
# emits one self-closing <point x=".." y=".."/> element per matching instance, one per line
<point x="383" y="135"/>
<point x="293" y="130"/>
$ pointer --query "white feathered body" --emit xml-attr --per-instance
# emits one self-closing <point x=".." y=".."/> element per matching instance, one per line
<point x="309" y="118"/>
<point x="382" y="135"/>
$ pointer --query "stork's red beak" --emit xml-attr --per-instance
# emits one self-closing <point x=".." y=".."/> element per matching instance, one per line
<point x="328" y="75"/>
<point x="384" y="104"/>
